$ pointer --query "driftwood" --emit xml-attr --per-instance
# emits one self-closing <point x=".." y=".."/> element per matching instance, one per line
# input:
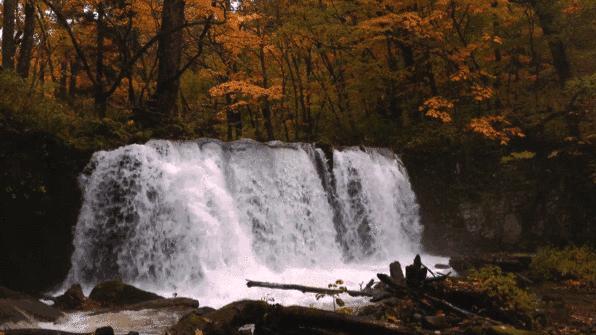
<point x="415" y="287"/>
<point x="308" y="289"/>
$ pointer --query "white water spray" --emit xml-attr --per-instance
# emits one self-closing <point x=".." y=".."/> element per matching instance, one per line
<point x="197" y="218"/>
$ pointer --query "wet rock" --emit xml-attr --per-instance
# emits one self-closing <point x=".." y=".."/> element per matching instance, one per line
<point x="164" y="304"/>
<point x="133" y="333"/>
<point x="116" y="293"/>
<point x="6" y="293"/>
<point x="248" y="329"/>
<point x="225" y="320"/>
<point x="204" y="310"/>
<point x="104" y="331"/>
<point x="72" y="299"/>
<point x="15" y="307"/>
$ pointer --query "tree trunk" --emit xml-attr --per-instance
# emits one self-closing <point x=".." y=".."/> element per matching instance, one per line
<point x="266" y="106"/>
<point x="8" y="42"/>
<point x="169" y="54"/>
<point x="74" y="72"/>
<point x="549" y="15"/>
<point x="27" y="44"/>
<point x="100" y="96"/>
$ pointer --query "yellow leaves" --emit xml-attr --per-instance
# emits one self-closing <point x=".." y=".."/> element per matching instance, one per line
<point x="492" y="38"/>
<point x="248" y="18"/>
<point x="438" y="108"/>
<point x="573" y="7"/>
<point x="197" y="9"/>
<point x="411" y="22"/>
<point x="481" y="93"/>
<point x="495" y="127"/>
<point x="246" y="89"/>
<point x="463" y="73"/>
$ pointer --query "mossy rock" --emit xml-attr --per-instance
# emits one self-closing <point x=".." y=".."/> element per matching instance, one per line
<point x="116" y="293"/>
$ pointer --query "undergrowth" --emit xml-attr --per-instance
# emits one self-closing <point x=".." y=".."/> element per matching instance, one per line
<point x="503" y="288"/>
<point x="571" y="263"/>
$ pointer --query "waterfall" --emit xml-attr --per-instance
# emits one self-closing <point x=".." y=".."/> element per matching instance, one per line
<point x="197" y="216"/>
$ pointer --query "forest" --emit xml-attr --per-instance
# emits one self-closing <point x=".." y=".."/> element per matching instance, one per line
<point x="490" y="104"/>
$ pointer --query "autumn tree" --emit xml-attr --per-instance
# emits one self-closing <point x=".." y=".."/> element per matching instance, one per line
<point x="8" y="31"/>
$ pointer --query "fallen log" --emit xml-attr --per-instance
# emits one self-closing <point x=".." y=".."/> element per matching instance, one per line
<point x="303" y="317"/>
<point x="307" y="289"/>
<point x="458" y="310"/>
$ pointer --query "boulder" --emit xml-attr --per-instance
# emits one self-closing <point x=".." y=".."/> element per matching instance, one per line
<point x="164" y="303"/>
<point x="225" y="320"/>
<point x="104" y="331"/>
<point x="116" y="294"/>
<point x="72" y="299"/>
<point x="15" y="307"/>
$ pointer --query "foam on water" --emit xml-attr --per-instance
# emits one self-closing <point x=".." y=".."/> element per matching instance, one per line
<point x="197" y="218"/>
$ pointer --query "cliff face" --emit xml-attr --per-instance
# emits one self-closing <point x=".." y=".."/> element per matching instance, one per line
<point x="39" y="204"/>
<point x="487" y="203"/>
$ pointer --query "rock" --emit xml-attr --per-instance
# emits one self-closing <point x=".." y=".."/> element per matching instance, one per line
<point x="225" y="320"/>
<point x="6" y="293"/>
<point x="164" y="303"/>
<point x="204" y="310"/>
<point x="104" y="331"/>
<point x="435" y="322"/>
<point x="24" y="309"/>
<point x="72" y="299"/>
<point x="396" y="273"/>
<point x="248" y="329"/>
<point x="133" y="333"/>
<point x="115" y="293"/>
<point x="512" y="229"/>
<point x="442" y="266"/>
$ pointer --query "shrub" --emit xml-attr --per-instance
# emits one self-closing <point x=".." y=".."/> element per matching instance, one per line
<point x="502" y="287"/>
<point x="577" y="263"/>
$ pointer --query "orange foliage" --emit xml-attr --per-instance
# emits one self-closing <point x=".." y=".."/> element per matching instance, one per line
<point x="495" y="127"/>
<point x="438" y="108"/>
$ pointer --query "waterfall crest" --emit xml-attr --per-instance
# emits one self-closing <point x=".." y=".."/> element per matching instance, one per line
<point x="173" y="216"/>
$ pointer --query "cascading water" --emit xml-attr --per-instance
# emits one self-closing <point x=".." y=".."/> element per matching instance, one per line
<point x="198" y="217"/>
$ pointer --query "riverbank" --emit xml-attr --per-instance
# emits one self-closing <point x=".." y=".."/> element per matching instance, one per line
<point x="496" y="298"/>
